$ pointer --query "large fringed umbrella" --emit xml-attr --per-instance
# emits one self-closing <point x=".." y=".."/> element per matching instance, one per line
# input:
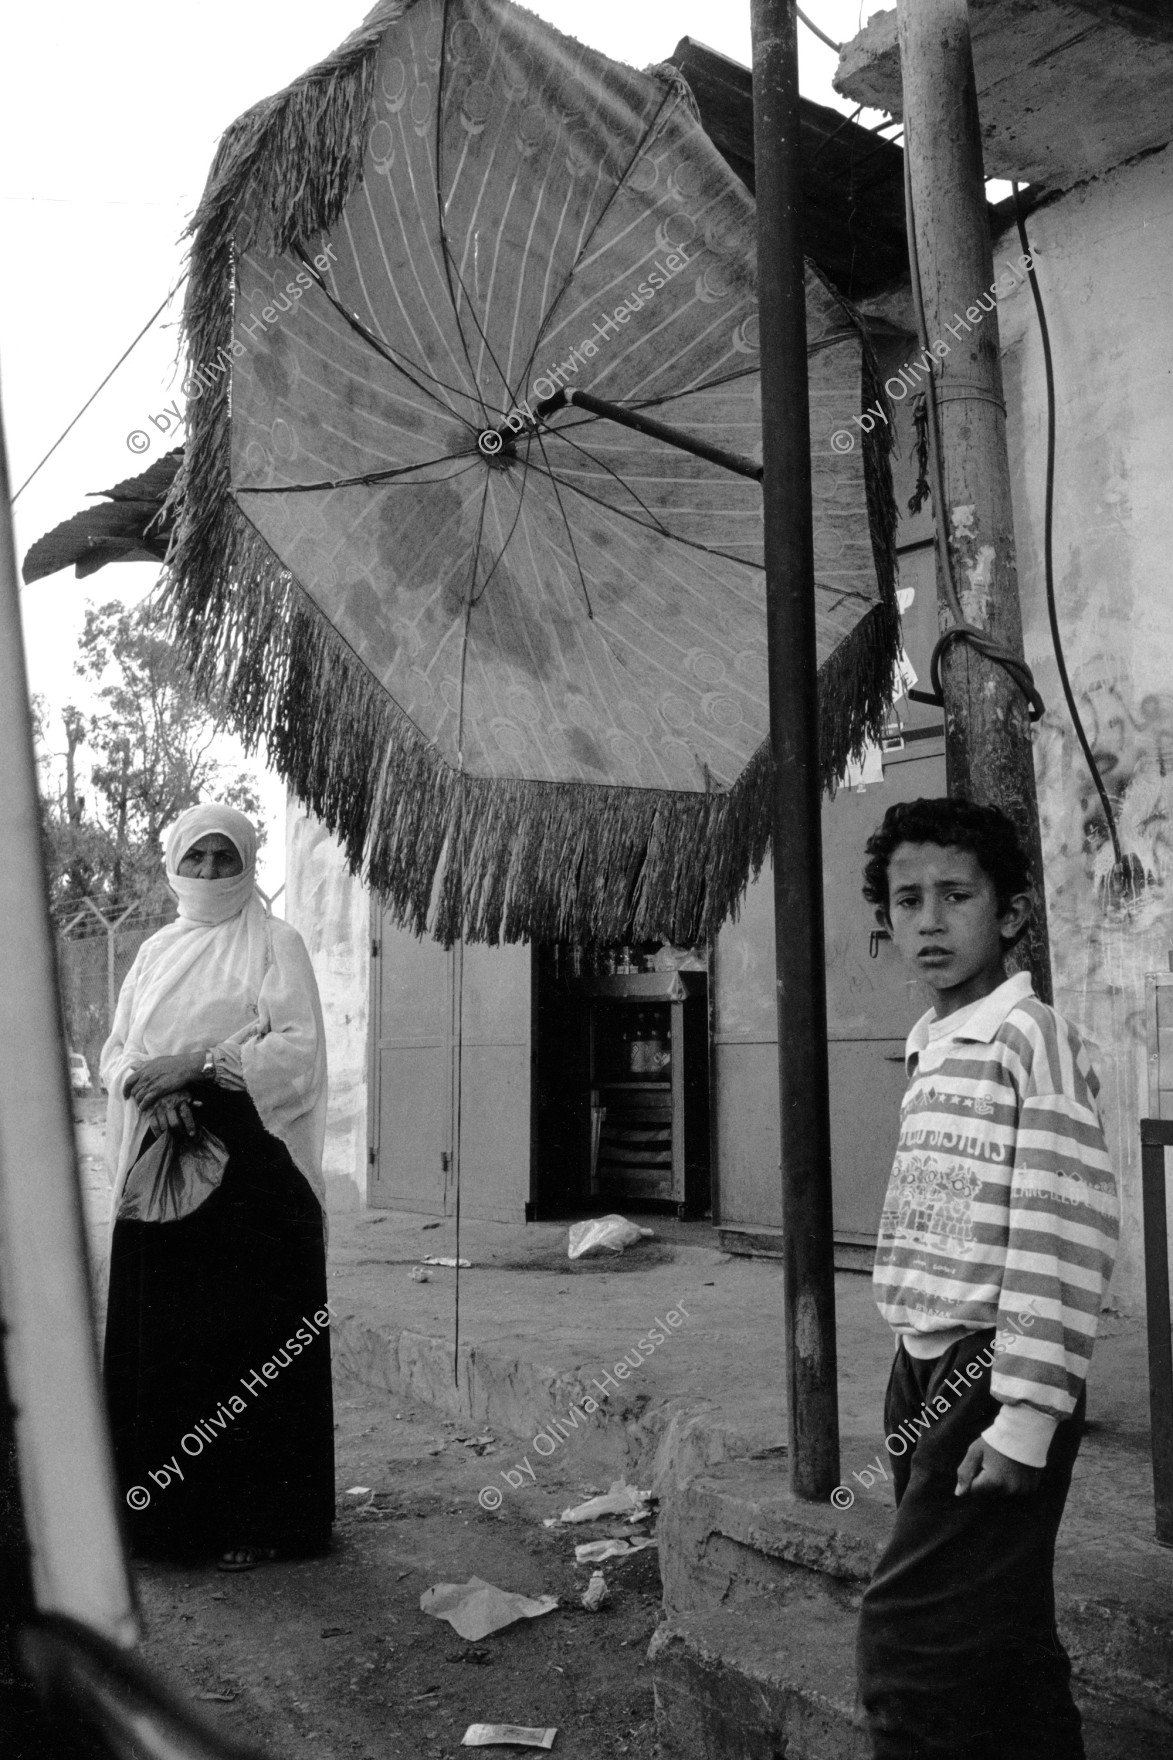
<point x="469" y="519"/>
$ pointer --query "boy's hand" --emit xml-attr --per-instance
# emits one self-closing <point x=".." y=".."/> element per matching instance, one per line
<point x="985" y="1472"/>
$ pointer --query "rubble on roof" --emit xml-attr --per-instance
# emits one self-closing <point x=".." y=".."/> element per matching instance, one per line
<point x="1065" y="90"/>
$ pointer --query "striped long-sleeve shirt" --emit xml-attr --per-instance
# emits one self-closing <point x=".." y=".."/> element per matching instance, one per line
<point x="1001" y="1208"/>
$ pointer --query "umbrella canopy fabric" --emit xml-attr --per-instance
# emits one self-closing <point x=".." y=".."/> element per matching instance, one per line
<point x="508" y="647"/>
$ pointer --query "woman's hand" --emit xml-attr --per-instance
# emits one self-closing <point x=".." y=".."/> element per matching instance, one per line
<point x="160" y="1077"/>
<point x="175" y="1114"/>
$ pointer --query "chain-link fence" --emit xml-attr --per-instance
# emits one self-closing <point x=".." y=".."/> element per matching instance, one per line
<point x="95" y="950"/>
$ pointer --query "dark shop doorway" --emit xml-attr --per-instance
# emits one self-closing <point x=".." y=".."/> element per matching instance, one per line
<point x="621" y="1113"/>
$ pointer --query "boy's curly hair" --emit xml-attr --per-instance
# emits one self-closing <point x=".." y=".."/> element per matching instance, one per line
<point x="951" y="824"/>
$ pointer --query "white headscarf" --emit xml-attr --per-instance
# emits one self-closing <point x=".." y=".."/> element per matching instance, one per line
<point x="225" y="974"/>
<point x="212" y="901"/>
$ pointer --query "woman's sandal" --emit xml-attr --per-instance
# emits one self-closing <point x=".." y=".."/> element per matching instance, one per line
<point x="245" y="1558"/>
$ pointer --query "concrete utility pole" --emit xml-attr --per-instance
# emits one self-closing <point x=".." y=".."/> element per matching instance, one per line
<point x="987" y="728"/>
<point x="807" y="1243"/>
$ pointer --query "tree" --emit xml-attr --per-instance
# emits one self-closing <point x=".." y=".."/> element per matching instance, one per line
<point x="152" y="749"/>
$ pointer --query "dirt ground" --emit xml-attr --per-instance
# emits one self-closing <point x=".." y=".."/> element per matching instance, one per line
<point x="332" y="1657"/>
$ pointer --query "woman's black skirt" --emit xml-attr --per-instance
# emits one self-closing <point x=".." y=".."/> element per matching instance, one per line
<point x="217" y="1359"/>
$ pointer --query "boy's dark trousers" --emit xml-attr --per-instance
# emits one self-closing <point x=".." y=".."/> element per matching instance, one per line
<point x="958" y="1652"/>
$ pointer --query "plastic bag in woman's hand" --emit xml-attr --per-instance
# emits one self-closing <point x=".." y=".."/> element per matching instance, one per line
<point x="172" y="1177"/>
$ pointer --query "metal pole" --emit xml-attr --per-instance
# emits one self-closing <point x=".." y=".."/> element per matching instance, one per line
<point x="808" y="1254"/>
<point x="111" y="985"/>
<point x="111" y="994"/>
<point x="66" y="1470"/>
<point x="988" y="755"/>
<point x="1156" y="1135"/>
<point x="568" y="398"/>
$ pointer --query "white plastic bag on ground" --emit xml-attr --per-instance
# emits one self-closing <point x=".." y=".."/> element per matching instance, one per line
<point x="604" y="1234"/>
<point x="595" y="1551"/>
<point x="621" y="1500"/>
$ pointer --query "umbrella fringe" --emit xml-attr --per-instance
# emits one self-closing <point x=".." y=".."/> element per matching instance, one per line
<point x="537" y="861"/>
<point x="299" y="153"/>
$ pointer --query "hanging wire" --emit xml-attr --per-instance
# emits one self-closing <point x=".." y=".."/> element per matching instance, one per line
<point x="456" y="1030"/>
<point x="834" y="135"/>
<point x="821" y="35"/>
<point x="1125" y="878"/>
<point x="457" y="1026"/>
<point x="457" y="1098"/>
<point x="1124" y="873"/>
<point x="81" y="412"/>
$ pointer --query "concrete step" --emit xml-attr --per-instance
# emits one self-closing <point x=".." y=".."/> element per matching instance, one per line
<point x="756" y="1658"/>
<point x="726" y="1689"/>
<point x="766" y="1243"/>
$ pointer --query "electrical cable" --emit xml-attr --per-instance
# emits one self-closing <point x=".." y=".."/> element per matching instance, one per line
<point x="821" y="35"/>
<point x="961" y="630"/>
<point x="81" y="412"/>
<point x="828" y="138"/>
<point x="457" y="1026"/>
<point x="458" y="1097"/>
<point x="1123" y="870"/>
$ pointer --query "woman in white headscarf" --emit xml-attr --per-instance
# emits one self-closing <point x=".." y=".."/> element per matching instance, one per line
<point x="217" y="1354"/>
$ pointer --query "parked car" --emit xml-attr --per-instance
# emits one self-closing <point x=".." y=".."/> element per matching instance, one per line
<point x="79" y="1073"/>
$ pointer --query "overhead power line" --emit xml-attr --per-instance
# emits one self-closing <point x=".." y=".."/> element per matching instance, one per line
<point x="81" y="412"/>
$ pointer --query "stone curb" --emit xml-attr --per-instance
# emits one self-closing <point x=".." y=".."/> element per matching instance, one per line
<point x="761" y="1595"/>
<point x="661" y="1444"/>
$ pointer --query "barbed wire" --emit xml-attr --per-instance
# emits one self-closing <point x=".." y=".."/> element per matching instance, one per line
<point x="95" y="916"/>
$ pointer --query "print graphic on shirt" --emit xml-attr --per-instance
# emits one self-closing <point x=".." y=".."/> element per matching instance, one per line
<point x="930" y="1204"/>
<point x="967" y="1139"/>
<point x="1061" y="1187"/>
<point x="929" y="1306"/>
<point x="982" y="1105"/>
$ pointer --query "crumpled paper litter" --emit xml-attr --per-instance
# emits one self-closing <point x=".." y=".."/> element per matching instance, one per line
<point x="476" y="1608"/>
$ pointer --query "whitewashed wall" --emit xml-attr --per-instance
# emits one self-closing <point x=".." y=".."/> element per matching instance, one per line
<point x="331" y="910"/>
<point x="1105" y="264"/>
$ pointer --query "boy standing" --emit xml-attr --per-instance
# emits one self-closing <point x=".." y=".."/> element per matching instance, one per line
<point x="996" y="1243"/>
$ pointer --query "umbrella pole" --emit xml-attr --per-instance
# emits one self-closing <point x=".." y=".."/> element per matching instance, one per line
<point x="808" y="1255"/>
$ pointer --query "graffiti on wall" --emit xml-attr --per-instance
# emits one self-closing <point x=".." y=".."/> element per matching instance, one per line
<point x="1132" y="739"/>
<point x="1103" y="940"/>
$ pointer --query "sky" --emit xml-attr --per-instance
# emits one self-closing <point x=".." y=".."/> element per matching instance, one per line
<point x="109" y="117"/>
